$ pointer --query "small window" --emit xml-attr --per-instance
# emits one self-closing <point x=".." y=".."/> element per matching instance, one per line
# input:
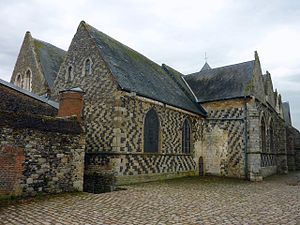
<point x="151" y="132"/>
<point x="18" y="81"/>
<point x="186" y="137"/>
<point x="70" y="74"/>
<point x="28" y="80"/>
<point x="263" y="135"/>
<point x="87" y="67"/>
<point x="271" y="137"/>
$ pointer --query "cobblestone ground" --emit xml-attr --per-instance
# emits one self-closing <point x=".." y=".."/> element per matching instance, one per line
<point x="182" y="201"/>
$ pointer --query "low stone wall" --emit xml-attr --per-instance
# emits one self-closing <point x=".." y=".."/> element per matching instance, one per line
<point x="135" y="168"/>
<point x="268" y="171"/>
<point x="14" y="101"/>
<point x="41" y="154"/>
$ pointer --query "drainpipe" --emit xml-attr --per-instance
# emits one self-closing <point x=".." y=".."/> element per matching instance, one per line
<point x="246" y="137"/>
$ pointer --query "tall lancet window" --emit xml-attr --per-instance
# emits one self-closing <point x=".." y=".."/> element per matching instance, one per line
<point x="186" y="137"/>
<point x="18" y="81"/>
<point x="28" y="80"/>
<point x="87" y="67"/>
<point x="151" y="132"/>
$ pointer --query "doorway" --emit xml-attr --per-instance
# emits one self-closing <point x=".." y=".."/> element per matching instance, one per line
<point x="201" y="166"/>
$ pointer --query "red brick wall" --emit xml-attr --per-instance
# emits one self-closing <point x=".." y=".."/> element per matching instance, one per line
<point x="11" y="168"/>
<point x="70" y="104"/>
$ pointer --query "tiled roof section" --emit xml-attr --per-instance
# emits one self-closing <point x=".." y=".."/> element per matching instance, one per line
<point x="183" y="85"/>
<point x="221" y="83"/>
<point x="50" y="58"/>
<point x="136" y="73"/>
<point x="30" y="94"/>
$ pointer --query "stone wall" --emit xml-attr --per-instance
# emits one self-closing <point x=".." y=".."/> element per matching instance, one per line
<point x="27" y="60"/>
<point x="42" y="154"/>
<point x="99" y="86"/>
<point x="14" y="101"/>
<point x="272" y="157"/>
<point x="223" y="144"/>
<point x="290" y="148"/>
<point x="128" y="160"/>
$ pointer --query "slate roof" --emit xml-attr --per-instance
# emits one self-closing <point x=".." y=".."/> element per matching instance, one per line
<point x="136" y="73"/>
<point x="221" y="83"/>
<point x="30" y="94"/>
<point x="50" y="58"/>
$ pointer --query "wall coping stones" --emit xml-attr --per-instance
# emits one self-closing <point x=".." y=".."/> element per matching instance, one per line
<point x="42" y="123"/>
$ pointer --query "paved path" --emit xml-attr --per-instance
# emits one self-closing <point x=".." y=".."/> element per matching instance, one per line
<point x="181" y="201"/>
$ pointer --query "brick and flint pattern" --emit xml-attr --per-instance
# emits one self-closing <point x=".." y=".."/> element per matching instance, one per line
<point x="129" y="158"/>
<point x="224" y="134"/>
<point x="114" y="119"/>
<point x="99" y="88"/>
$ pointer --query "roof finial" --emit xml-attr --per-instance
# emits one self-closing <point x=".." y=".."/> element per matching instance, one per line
<point x="205" y="57"/>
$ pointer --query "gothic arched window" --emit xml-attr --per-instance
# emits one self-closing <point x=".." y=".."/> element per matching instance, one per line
<point x="271" y="137"/>
<point x="18" y="81"/>
<point x="186" y="137"/>
<point x="70" y="73"/>
<point x="264" y="157"/>
<point x="27" y="80"/>
<point x="87" y="67"/>
<point x="263" y="135"/>
<point x="151" y="132"/>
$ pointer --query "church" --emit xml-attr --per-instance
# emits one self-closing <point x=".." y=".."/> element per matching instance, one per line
<point x="142" y="121"/>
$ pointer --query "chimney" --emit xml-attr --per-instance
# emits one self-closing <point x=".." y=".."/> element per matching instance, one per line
<point x="71" y="103"/>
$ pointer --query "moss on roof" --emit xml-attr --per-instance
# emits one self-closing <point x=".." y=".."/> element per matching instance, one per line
<point x="50" y="58"/>
<point x="136" y="73"/>
<point x="222" y="83"/>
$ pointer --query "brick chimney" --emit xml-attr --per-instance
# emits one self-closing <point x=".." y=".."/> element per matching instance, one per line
<point x="71" y="103"/>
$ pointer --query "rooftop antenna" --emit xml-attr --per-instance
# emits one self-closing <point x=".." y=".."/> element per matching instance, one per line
<point x="205" y="57"/>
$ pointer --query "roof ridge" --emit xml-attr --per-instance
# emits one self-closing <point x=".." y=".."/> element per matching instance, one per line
<point x="135" y="72"/>
<point x="221" y="67"/>
<point x="126" y="46"/>
<point x="47" y="43"/>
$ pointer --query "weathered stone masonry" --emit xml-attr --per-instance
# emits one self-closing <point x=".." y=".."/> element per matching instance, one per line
<point x="223" y="146"/>
<point x="38" y="153"/>
<point x="129" y="162"/>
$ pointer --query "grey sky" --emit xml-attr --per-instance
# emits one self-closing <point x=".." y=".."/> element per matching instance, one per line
<point x="174" y="32"/>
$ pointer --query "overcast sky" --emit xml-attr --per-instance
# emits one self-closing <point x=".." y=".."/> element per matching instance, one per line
<point x="174" y="32"/>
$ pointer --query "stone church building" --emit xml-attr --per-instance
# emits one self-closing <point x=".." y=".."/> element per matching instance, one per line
<point x="143" y="121"/>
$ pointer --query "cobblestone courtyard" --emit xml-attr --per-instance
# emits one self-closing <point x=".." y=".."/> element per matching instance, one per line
<point x="183" y="201"/>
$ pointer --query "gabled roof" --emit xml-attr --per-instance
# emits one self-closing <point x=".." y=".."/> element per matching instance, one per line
<point x="221" y="83"/>
<point x="30" y="94"/>
<point x="178" y="78"/>
<point x="136" y="73"/>
<point x="50" y="58"/>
